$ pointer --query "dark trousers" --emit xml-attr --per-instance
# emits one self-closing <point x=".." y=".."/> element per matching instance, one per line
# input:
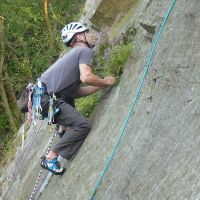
<point x="73" y="138"/>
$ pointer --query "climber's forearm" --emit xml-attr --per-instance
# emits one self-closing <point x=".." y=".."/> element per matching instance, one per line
<point x="87" y="90"/>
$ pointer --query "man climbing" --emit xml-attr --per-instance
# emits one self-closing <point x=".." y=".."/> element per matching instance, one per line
<point x="63" y="79"/>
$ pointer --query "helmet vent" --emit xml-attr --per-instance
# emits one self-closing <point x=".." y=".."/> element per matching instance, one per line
<point x="75" y="26"/>
<point x="64" y="37"/>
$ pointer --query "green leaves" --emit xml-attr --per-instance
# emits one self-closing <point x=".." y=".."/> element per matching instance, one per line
<point x="109" y="60"/>
<point x="118" y="57"/>
<point x="86" y="105"/>
<point x="27" y="34"/>
<point x="28" y="52"/>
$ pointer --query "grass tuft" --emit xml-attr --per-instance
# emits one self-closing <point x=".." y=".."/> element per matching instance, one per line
<point x="108" y="60"/>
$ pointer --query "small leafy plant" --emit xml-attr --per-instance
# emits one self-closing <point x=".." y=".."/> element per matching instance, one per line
<point x="109" y="60"/>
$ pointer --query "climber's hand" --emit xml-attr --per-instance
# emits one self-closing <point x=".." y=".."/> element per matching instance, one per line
<point x="110" y="80"/>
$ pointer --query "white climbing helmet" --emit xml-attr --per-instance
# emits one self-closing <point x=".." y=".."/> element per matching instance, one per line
<point x="71" y="29"/>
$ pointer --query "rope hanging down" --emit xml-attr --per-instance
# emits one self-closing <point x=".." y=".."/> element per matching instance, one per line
<point x="40" y="172"/>
<point x="124" y="126"/>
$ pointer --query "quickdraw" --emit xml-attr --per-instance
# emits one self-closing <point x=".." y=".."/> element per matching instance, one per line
<point x="38" y="91"/>
<point x="52" y="109"/>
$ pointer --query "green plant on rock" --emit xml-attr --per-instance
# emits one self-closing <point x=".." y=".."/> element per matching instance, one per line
<point x="118" y="57"/>
<point x="86" y="105"/>
<point x="109" y="60"/>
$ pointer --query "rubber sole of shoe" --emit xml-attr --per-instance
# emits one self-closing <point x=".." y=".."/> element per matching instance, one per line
<point x="56" y="173"/>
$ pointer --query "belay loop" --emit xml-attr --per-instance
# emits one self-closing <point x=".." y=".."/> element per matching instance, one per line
<point x="38" y="92"/>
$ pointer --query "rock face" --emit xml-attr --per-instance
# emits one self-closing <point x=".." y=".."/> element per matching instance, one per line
<point x="159" y="156"/>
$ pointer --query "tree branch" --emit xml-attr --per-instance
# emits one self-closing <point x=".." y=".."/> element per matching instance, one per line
<point x="2" y="47"/>
<point x="1" y="104"/>
<point x="46" y="17"/>
<point x="2" y="90"/>
<point x="7" y="108"/>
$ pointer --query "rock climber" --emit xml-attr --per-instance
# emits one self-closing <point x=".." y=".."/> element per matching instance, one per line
<point x="64" y="79"/>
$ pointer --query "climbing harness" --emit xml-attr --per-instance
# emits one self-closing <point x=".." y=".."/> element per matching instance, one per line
<point x="40" y="172"/>
<point x="124" y="126"/>
<point x="36" y="91"/>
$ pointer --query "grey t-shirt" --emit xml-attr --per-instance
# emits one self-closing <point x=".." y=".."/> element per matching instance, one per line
<point x="64" y="74"/>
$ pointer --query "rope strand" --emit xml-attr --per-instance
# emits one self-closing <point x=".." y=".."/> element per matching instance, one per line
<point x="40" y="172"/>
<point x="124" y="126"/>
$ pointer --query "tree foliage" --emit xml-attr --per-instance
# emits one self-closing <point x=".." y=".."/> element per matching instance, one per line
<point x="31" y="42"/>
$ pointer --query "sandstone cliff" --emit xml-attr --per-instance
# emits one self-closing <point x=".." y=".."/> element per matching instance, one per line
<point x="159" y="156"/>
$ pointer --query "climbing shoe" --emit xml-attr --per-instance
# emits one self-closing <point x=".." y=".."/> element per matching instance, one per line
<point x="52" y="165"/>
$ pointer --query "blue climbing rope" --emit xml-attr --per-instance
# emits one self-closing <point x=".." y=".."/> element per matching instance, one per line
<point x="124" y="126"/>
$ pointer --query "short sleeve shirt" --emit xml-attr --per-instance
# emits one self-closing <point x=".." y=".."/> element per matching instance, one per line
<point x="65" y="71"/>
